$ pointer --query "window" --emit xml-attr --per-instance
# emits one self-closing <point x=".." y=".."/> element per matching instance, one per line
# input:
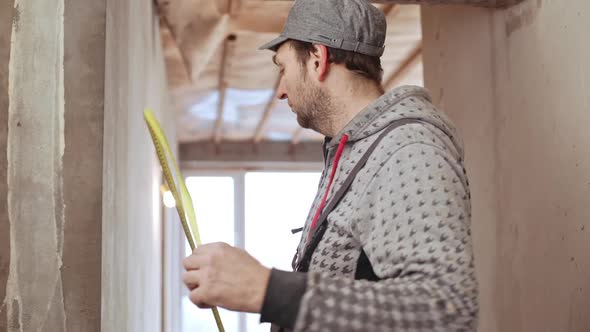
<point x="255" y="211"/>
<point x="213" y="201"/>
<point x="275" y="204"/>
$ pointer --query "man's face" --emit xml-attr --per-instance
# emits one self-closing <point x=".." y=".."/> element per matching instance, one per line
<point x="297" y="84"/>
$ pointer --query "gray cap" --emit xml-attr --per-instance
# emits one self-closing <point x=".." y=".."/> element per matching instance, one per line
<point x="352" y="25"/>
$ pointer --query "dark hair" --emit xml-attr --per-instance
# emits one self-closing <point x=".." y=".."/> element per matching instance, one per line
<point x="365" y="65"/>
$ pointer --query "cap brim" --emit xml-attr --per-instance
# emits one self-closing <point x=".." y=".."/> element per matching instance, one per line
<point x="274" y="44"/>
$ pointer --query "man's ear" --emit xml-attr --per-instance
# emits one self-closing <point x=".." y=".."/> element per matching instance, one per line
<point x="320" y="61"/>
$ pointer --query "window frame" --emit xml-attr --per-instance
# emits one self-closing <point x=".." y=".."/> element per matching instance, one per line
<point x="175" y="254"/>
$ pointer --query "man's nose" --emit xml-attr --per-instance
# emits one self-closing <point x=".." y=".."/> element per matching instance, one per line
<point x="281" y="91"/>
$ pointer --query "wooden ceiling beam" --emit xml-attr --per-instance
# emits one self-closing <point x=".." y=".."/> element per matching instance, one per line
<point x="297" y="136"/>
<point x="222" y="86"/>
<point x="208" y="28"/>
<point x="258" y="24"/>
<point x="240" y="152"/>
<point x="391" y="11"/>
<point x="166" y="29"/>
<point x="269" y="108"/>
<point x="404" y="68"/>
<point x="254" y="17"/>
<point x="388" y="8"/>
<point x="234" y="6"/>
<point x="485" y="3"/>
<point x="296" y="139"/>
<point x="260" y="17"/>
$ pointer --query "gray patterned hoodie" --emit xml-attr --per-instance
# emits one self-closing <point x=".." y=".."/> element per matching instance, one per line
<point x="407" y="214"/>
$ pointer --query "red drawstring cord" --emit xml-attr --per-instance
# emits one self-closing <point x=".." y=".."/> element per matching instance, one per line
<point x="343" y="141"/>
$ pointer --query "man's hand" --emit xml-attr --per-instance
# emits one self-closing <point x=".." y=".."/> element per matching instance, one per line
<point x="220" y="275"/>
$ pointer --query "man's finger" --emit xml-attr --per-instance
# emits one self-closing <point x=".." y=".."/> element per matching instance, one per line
<point x="193" y="262"/>
<point x="197" y="296"/>
<point x="211" y="248"/>
<point x="191" y="279"/>
<point x="204" y="306"/>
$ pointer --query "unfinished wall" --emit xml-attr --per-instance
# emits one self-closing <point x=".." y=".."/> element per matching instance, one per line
<point x="516" y="82"/>
<point x="132" y="228"/>
<point x="65" y="265"/>
<point x="5" y="33"/>
<point x="52" y="122"/>
<point x="449" y="71"/>
<point x="84" y="58"/>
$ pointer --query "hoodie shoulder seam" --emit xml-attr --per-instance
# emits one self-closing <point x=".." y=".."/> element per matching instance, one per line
<point x="396" y="101"/>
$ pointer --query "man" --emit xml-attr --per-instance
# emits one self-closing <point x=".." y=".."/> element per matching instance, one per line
<point x="387" y="244"/>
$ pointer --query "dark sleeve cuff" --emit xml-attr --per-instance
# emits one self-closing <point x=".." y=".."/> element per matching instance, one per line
<point x="283" y="297"/>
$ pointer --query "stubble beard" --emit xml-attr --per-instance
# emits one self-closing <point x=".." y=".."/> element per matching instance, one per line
<point x="315" y="107"/>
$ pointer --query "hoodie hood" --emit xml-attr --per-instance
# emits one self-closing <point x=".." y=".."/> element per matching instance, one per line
<point x="406" y="102"/>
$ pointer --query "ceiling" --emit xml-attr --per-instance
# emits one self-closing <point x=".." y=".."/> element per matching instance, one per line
<point x="222" y="87"/>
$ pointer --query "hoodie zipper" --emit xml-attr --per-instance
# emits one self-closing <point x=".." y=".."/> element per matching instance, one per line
<point x="318" y="212"/>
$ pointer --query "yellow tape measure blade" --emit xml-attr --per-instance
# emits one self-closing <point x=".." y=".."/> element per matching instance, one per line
<point x="171" y="175"/>
<point x="175" y="182"/>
